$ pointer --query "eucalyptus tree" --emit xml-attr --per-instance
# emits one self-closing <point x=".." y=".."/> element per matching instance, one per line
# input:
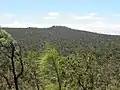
<point x="80" y="71"/>
<point x="51" y="66"/>
<point x="11" y="51"/>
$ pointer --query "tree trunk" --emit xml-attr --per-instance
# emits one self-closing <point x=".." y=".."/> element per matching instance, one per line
<point x="92" y="81"/>
<point x="81" y="85"/>
<point x="58" y="77"/>
<point x="38" y="88"/>
<point x="13" y="68"/>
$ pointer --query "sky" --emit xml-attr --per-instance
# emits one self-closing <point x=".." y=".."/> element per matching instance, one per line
<point x="101" y="16"/>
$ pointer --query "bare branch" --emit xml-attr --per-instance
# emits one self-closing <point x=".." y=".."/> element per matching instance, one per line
<point x="8" y="83"/>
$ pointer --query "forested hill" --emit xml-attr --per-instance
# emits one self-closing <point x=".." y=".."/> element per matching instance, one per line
<point x="70" y="60"/>
<point x="63" y="37"/>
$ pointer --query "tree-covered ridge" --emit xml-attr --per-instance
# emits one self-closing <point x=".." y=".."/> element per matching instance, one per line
<point x="66" y="40"/>
<point x="58" y="62"/>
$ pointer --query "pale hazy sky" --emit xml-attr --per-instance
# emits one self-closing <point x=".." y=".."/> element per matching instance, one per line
<point x="102" y="16"/>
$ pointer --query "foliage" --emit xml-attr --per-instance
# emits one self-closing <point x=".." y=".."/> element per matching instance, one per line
<point x="65" y="63"/>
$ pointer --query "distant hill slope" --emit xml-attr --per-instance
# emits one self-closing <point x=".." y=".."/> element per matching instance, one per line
<point x="63" y="37"/>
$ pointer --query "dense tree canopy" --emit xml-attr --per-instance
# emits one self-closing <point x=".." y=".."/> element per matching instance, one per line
<point x="59" y="63"/>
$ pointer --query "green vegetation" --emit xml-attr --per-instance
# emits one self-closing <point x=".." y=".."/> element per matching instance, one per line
<point x="58" y="58"/>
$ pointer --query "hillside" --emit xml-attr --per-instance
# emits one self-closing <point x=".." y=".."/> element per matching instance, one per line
<point x="74" y="60"/>
<point x="63" y="37"/>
